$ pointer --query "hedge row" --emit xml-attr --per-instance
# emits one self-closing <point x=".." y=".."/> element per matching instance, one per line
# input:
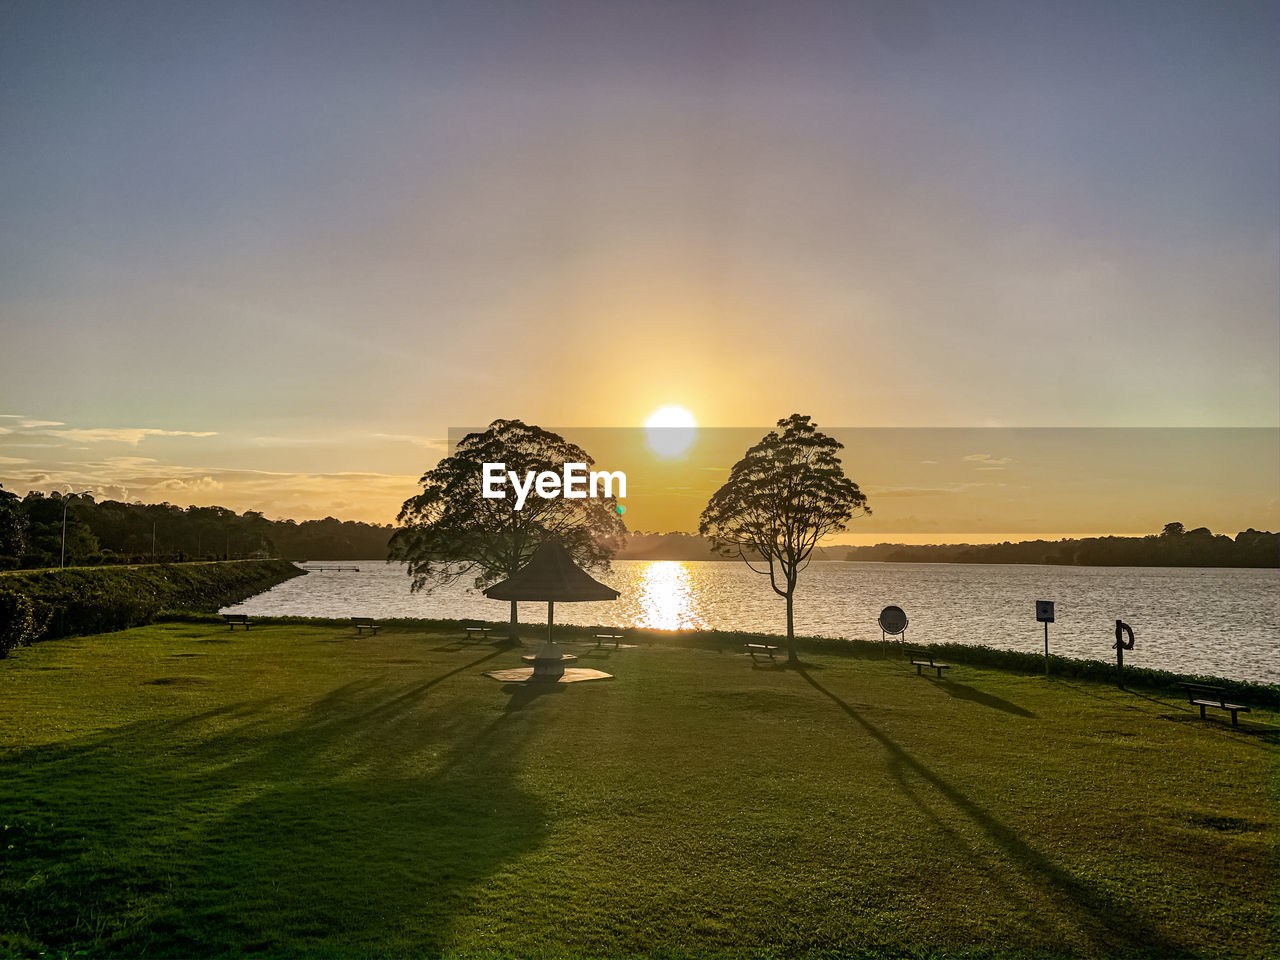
<point x="1015" y="661"/>
<point x="44" y="604"/>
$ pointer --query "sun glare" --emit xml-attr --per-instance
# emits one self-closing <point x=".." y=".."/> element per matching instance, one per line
<point x="667" y="597"/>
<point x="670" y="431"/>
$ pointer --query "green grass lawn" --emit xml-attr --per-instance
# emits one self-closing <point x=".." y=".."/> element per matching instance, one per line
<point x="179" y="790"/>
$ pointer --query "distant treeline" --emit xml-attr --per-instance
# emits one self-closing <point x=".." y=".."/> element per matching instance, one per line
<point x="689" y="546"/>
<point x="1173" y="547"/>
<point x="31" y="533"/>
<point x="666" y="546"/>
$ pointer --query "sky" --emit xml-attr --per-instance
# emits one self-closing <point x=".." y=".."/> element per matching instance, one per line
<point x="977" y="484"/>
<point x="266" y="254"/>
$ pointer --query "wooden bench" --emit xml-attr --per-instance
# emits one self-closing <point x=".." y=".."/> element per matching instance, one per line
<point x="365" y="623"/>
<point x="1203" y="695"/>
<point x="760" y="649"/>
<point x="237" y="620"/>
<point x="615" y="637"/>
<point x="477" y="630"/>
<point x="919" y="659"/>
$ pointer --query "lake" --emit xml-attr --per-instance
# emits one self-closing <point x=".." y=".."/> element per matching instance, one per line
<point x="1222" y="622"/>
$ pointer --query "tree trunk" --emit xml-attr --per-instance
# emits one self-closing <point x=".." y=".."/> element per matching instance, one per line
<point x="791" y="630"/>
<point x="513" y="629"/>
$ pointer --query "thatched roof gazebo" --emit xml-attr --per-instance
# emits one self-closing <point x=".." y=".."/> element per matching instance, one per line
<point x="551" y="575"/>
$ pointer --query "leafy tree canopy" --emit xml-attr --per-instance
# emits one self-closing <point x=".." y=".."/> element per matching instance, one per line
<point x="13" y="527"/>
<point x="450" y="531"/>
<point x="785" y="495"/>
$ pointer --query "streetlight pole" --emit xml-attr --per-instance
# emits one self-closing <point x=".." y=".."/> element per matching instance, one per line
<point x="66" y="502"/>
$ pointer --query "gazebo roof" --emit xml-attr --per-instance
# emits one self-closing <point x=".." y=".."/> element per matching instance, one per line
<point x="551" y="575"/>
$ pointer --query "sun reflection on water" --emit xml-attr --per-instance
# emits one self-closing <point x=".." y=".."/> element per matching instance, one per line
<point x="667" y="597"/>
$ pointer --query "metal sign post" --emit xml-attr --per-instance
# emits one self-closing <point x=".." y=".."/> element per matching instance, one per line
<point x="1044" y="614"/>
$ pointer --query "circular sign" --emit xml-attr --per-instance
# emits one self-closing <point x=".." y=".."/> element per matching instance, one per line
<point x="893" y="620"/>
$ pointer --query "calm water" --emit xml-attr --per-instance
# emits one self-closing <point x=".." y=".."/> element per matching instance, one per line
<point x="1199" y="620"/>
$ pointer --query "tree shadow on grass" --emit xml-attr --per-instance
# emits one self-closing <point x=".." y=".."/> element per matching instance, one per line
<point x="962" y="691"/>
<point x="899" y="770"/>
<point x="523" y="694"/>
<point x="1109" y="923"/>
<point x="368" y="816"/>
<point x="465" y="643"/>
<point x="1255" y="734"/>
<point x="1118" y="694"/>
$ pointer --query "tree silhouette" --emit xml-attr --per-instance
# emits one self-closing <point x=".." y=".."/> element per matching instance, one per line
<point x="13" y="528"/>
<point x="450" y="530"/>
<point x="785" y="495"/>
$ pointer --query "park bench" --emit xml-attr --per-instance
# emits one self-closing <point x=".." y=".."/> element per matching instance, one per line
<point x="237" y="620"/>
<point x="919" y="659"/>
<point x="760" y="649"/>
<point x="476" y="630"/>
<point x="615" y="637"/>
<point x="365" y="623"/>
<point x="1203" y="695"/>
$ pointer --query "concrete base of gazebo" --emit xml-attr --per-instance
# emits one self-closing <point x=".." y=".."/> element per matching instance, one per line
<point x="569" y="675"/>
<point x="549" y="662"/>
<point x="550" y="665"/>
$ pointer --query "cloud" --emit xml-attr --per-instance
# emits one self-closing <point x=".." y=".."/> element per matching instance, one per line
<point x="121" y="463"/>
<point x="893" y="493"/>
<point x="190" y="484"/>
<point x="427" y="443"/>
<point x="130" y="435"/>
<point x="10" y="461"/>
<point x="348" y="440"/>
<point x="18" y="429"/>
<point x="366" y="496"/>
<point x="987" y="462"/>
<point x="26" y="423"/>
<point x="292" y="441"/>
<point x="900" y="492"/>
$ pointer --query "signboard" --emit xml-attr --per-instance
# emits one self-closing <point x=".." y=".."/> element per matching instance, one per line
<point x="893" y="620"/>
<point x="1044" y="611"/>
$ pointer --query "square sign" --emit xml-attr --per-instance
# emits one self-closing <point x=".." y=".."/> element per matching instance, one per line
<point x="1044" y="611"/>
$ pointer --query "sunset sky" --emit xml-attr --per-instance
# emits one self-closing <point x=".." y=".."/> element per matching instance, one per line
<point x="265" y="254"/>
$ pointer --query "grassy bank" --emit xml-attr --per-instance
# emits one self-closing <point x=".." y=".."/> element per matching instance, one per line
<point x="1072" y="668"/>
<point x="294" y="791"/>
<point x="44" y="604"/>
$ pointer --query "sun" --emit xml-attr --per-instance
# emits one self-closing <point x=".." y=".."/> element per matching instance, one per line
<point x="670" y="431"/>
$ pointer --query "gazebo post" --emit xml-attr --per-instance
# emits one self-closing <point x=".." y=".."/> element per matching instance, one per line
<point x="548" y="663"/>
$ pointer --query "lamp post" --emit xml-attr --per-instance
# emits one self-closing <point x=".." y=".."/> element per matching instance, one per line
<point x="66" y="502"/>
